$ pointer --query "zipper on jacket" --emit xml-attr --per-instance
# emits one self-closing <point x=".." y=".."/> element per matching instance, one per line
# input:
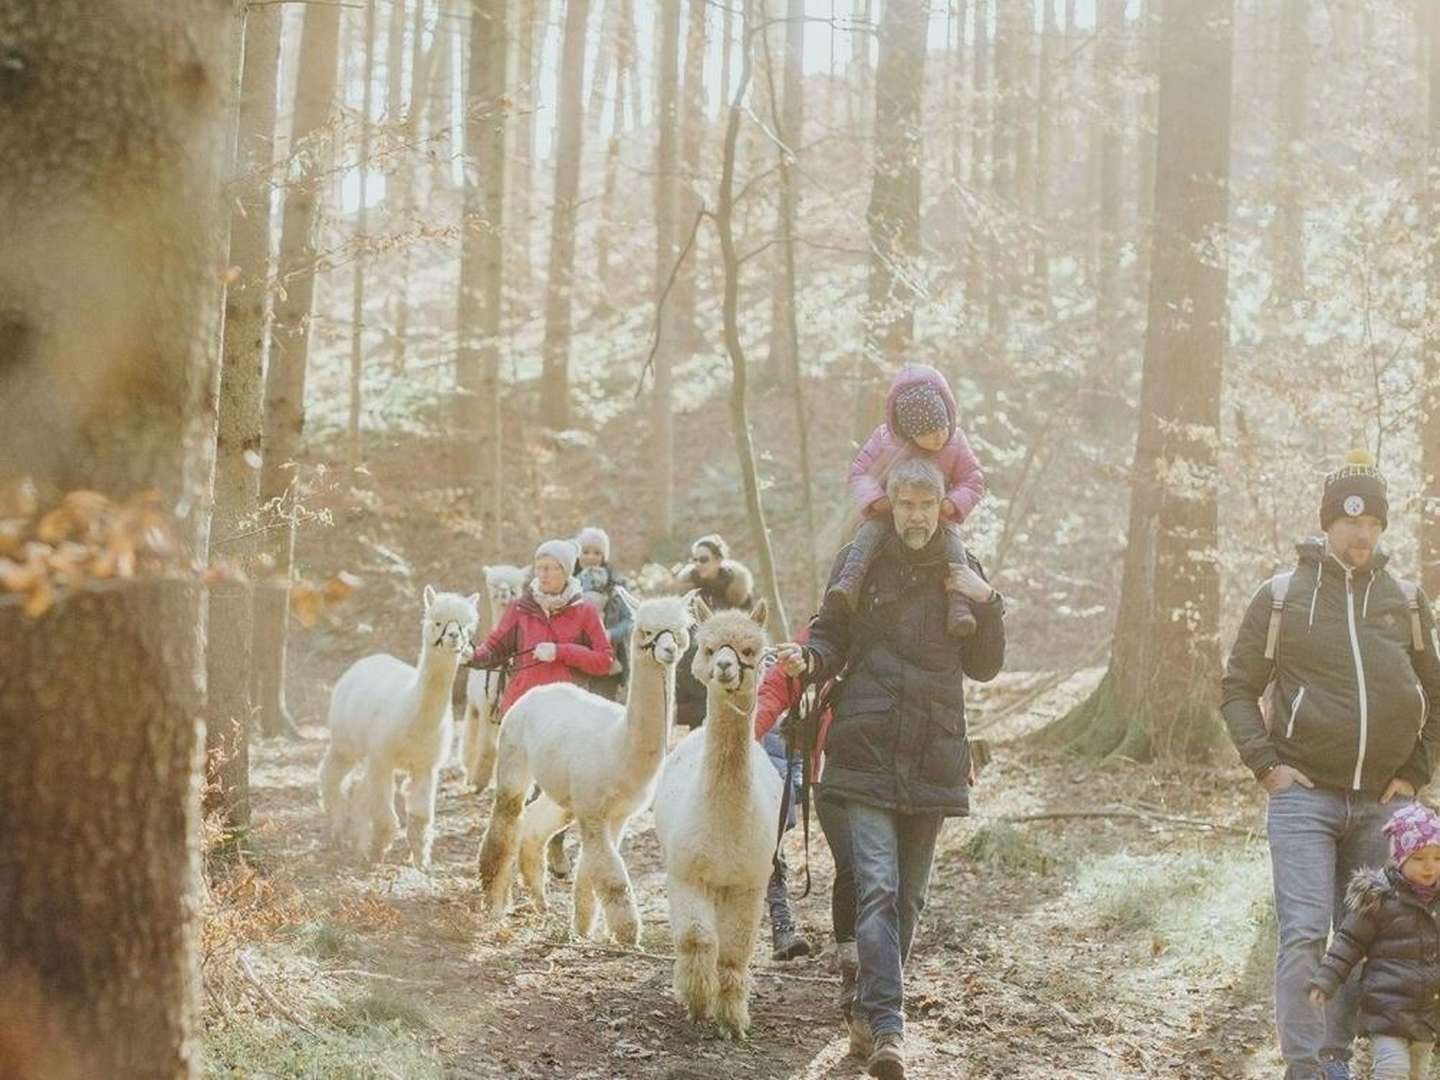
<point x="1294" y="711"/>
<point x="1359" y="676"/>
<point x="1424" y="705"/>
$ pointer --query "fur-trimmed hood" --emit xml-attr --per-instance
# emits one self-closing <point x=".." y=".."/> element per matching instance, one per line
<point x="1367" y="889"/>
<point x="732" y="587"/>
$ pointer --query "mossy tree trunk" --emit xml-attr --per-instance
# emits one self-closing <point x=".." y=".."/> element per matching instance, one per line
<point x="116" y="117"/>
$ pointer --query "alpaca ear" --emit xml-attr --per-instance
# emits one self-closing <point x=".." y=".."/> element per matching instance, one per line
<point x="698" y="607"/>
<point x="473" y="600"/>
<point x="758" y="613"/>
<point x="429" y="595"/>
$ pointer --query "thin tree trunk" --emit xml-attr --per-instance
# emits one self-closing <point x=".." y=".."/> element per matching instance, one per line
<point x="113" y="230"/>
<point x="530" y="41"/>
<point x="405" y="116"/>
<point x="1430" y="393"/>
<point x="739" y="410"/>
<point x="1150" y="15"/>
<point x="1001" y="190"/>
<point x="361" y="240"/>
<point x="1157" y="698"/>
<point x="1288" y="239"/>
<point x="228" y="714"/>
<point x="1044" y="127"/>
<point x="975" y="283"/>
<point x="959" y="114"/>
<point x="442" y="138"/>
<point x="478" y="312"/>
<point x="609" y="225"/>
<point x="894" y="211"/>
<point x="289" y="353"/>
<point x="559" y="285"/>
<point x="1109" y="55"/>
<point x="600" y="79"/>
<point x="666" y="158"/>
<point x="692" y="142"/>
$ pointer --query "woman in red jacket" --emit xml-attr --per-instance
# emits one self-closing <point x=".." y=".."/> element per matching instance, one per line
<point x="551" y="634"/>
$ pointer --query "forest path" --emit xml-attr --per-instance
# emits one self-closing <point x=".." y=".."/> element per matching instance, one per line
<point x="1066" y="947"/>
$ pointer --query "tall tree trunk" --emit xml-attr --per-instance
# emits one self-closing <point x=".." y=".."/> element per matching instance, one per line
<point x="529" y="45"/>
<point x="482" y="258"/>
<point x="559" y="285"/>
<point x="609" y="45"/>
<point x="1068" y="124"/>
<point x="1022" y="109"/>
<point x="999" y="287"/>
<point x="1430" y="392"/>
<point x="609" y="223"/>
<point x="692" y="143"/>
<point x="739" y="410"/>
<point x="894" y="211"/>
<point x="113" y="231"/>
<point x="284" y="418"/>
<point x="442" y="137"/>
<point x="1288" y="239"/>
<point x="1145" y="142"/>
<point x="361" y="240"/>
<point x="227" y="742"/>
<point x="1158" y="696"/>
<point x="400" y="191"/>
<point x="1044" y="126"/>
<point x="959" y="116"/>
<point x="662" y="417"/>
<point x="860" y="42"/>
<point x="975" y="281"/>
<point x="1109" y="55"/>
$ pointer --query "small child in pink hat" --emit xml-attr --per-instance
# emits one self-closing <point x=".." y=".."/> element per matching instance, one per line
<point x="1394" y="926"/>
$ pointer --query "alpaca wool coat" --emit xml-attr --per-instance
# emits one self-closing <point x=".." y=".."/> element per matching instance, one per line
<point x="581" y="645"/>
<point x="964" y="479"/>
<point x="1397" y="934"/>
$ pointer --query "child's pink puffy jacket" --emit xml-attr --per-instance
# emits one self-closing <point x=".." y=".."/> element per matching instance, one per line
<point x="964" y="480"/>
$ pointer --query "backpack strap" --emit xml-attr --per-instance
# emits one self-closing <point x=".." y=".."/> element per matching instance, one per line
<point x="1279" y="587"/>
<point x="1412" y="601"/>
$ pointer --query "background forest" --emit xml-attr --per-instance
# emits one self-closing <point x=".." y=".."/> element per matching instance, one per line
<point x="486" y="271"/>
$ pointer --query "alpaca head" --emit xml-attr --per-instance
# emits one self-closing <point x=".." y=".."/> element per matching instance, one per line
<point x="449" y="620"/>
<point x="662" y="626"/>
<point x="729" y="644"/>
<point x="503" y="584"/>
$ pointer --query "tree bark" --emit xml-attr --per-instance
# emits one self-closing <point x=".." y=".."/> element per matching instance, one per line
<point x="406" y="179"/>
<point x="975" y="281"/>
<point x="1044" y="126"/>
<point x="1430" y="391"/>
<point x="739" y="410"/>
<point x="894" y="211"/>
<point x="361" y="239"/>
<point x="1159" y="695"/>
<point x="238" y="443"/>
<point x="1145" y="142"/>
<point x="666" y="155"/>
<point x="121" y="113"/>
<point x="284" y="418"/>
<point x="608" y="46"/>
<point x="1109" y="55"/>
<point x="692" y="143"/>
<point x="1000" y="287"/>
<point x="609" y="214"/>
<point x="482" y="265"/>
<point x="530" y="40"/>
<point x="559" y="285"/>
<point x="1288" y="238"/>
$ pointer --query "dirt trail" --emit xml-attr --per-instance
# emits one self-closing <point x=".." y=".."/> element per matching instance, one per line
<point x="1075" y="947"/>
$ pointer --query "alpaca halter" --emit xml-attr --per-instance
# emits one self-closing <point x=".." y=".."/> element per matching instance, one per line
<point x="739" y="662"/>
<point x="464" y="633"/>
<point x="650" y="645"/>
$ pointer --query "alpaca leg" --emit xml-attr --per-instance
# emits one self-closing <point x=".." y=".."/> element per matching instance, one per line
<point x="692" y="925"/>
<point x="737" y="914"/>
<point x="543" y="818"/>
<point x="332" y="796"/>
<point x="380" y="807"/>
<point x="419" y="815"/>
<point x="612" y="885"/>
<point x="470" y="743"/>
<point x="487" y="745"/>
<point x="497" y="850"/>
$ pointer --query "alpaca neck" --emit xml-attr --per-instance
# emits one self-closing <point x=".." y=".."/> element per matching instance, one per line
<point x="648" y="712"/>
<point x="434" y="676"/>
<point x="729" y="727"/>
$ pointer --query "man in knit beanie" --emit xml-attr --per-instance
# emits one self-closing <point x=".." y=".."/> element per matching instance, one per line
<point x="1346" y="653"/>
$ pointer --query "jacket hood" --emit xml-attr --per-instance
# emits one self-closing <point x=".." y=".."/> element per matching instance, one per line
<point x="1367" y="888"/>
<point x="917" y="375"/>
<point x="1314" y="551"/>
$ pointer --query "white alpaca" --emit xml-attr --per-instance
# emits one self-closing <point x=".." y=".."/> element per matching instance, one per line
<point x="481" y="729"/>
<point x="394" y="717"/>
<point x="717" y="805"/>
<point x="595" y="761"/>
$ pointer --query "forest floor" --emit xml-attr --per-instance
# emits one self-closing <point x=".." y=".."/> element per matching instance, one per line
<point x="1137" y="945"/>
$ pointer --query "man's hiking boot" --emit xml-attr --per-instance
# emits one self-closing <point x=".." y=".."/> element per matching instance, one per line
<point x="1335" y="1069"/>
<point x="959" y="616"/>
<point x="559" y="858"/>
<point x="887" y="1060"/>
<point x="862" y="1043"/>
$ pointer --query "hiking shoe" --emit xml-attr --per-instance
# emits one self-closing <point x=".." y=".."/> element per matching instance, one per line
<point x="788" y="943"/>
<point x="862" y="1043"/>
<point x="887" y="1060"/>
<point x="1335" y="1069"/>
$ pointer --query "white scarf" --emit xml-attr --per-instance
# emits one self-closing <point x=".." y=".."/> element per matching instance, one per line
<point x="551" y="603"/>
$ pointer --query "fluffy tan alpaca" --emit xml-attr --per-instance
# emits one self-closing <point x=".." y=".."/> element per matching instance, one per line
<point x="716" y="809"/>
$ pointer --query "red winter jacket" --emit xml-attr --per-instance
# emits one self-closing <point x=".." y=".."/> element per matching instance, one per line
<point x="776" y="694"/>
<point x="577" y="630"/>
<point x="964" y="480"/>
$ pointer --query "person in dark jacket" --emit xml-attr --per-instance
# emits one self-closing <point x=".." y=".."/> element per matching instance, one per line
<point x="897" y="757"/>
<point x="723" y="583"/>
<point x="1394" y="927"/>
<point x="601" y="585"/>
<point x="1352" y="671"/>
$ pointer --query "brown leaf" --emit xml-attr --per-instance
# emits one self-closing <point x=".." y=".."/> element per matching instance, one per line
<point x="55" y="526"/>
<point x="340" y="586"/>
<point x="21" y="501"/>
<point x="87" y="508"/>
<point x="39" y="599"/>
<point x="12" y="536"/>
<point x="306" y="602"/>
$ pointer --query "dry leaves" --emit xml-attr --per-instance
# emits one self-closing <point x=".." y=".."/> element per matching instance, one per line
<point x="308" y="600"/>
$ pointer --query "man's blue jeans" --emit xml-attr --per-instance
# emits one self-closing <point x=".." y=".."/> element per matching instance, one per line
<point x="890" y="855"/>
<point x="1318" y="838"/>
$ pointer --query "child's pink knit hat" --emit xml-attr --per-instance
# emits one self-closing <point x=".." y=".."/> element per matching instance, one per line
<point x="1411" y="828"/>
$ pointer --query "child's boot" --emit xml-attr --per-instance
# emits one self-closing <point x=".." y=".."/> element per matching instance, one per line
<point x="788" y="943"/>
<point x="857" y="562"/>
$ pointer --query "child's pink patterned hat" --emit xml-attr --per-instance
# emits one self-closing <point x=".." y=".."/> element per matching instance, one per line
<point x="1411" y="828"/>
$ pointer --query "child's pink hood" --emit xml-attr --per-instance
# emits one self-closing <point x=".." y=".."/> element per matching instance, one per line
<point x="916" y="375"/>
